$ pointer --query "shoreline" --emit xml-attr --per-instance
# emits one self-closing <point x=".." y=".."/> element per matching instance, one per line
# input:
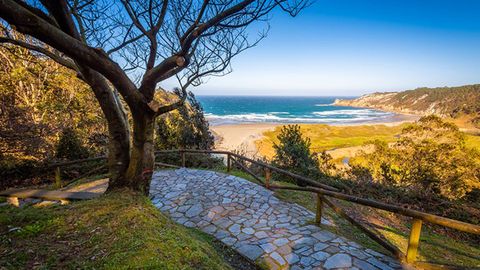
<point x="242" y="136"/>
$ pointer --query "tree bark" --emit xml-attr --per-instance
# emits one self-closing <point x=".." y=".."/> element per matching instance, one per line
<point x="118" y="130"/>
<point x="142" y="157"/>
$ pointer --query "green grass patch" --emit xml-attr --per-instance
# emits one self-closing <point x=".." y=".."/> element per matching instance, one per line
<point x="120" y="230"/>
<point x="326" y="137"/>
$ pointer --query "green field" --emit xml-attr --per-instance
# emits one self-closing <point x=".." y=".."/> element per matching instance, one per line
<point x="325" y="137"/>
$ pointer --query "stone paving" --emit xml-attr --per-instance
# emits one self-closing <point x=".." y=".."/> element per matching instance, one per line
<point x="261" y="227"/>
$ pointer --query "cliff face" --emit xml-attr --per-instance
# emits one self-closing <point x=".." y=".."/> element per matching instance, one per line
<point x="444" y="102"/>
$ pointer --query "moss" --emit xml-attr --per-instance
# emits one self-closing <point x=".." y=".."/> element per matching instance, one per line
<point x="120" y="230"/>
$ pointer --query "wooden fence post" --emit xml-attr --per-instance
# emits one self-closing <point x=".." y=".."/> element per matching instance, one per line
<point x="183" y="158"/>
<point x="318" y="216"/>
<point x="268" y="175"/>
<point x="414" y="240"/>
<point x="229" y="163"/>
<point x="58" y="178"/>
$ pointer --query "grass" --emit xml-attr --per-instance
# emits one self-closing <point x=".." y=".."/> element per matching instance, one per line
<point x="434" y="247"/>
<point x="325" y="137"/>
<point x="120" y="230"/>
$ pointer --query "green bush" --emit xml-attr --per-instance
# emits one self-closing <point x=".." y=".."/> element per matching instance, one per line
<point x="292" y="153"/>
<point x="70" y="146"/>
<point x="185" y="128"/>
<point x="429" y="158"/>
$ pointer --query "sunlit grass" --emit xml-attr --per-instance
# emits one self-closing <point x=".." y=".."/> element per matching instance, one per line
<point x="326" y="137"/>
<point x="120" y="230"/>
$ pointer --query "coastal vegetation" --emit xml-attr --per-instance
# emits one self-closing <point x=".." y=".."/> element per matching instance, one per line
<point x="429" y="160"/>
<point x="452" y="102"/>
<point x="427" y="166"/>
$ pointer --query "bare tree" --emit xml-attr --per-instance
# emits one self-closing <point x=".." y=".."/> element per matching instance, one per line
<point x="129" y="47"/>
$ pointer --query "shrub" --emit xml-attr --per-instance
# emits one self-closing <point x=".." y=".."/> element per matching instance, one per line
<point x="293" y="152"/>
<point x="185" y="128"/>
<point x="430" y="157"/>
<point x="70" y="146"/>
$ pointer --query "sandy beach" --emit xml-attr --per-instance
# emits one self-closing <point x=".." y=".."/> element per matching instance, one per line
<point x="240" y="136"/>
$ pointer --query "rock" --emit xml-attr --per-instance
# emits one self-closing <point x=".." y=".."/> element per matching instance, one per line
<point x="268" y="247"/>
<point x="234" y="229"/>
<point x="292" y="258"/>
<point x="320" y="256"/>
<point x="248" y="230"/>
<point x="279" y="259"/>
<point x="379" y="264"/>
<point x="250" y="251"/>
<point x="194" y="210"/>
<point x="363" y="265"/>
<point x="280" y="242"/>
<point x="324" y="236"/>
<point x="338" y="261"/>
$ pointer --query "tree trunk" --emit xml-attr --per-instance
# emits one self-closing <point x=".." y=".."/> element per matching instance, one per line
<point x="119" y="136"/>
<point x="142" y="157"/>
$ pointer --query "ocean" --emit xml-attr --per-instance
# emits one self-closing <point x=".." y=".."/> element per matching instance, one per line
<point x="220" y="110"/>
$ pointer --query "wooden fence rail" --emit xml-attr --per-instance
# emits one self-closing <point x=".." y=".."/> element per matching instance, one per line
<point x="323" y="190"/>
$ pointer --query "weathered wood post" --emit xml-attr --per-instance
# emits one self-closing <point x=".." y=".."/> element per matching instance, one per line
<point x="268" y="175"/>
<point x="13" y="201"/>
<point x="414" y="240"/>
<point x="318" y="216"/>
<point x="229" y="162"/>
<point x="58" y="178"/>
<point x="183" y="158"/>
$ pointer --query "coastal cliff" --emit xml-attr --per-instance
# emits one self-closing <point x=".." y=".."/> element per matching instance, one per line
<point x="445" y="101"/>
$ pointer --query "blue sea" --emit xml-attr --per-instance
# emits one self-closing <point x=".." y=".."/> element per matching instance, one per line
<point x="221" y="110"/>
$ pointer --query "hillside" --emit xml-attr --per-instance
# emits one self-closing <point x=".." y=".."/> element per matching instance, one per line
<point x="451" y="102"/>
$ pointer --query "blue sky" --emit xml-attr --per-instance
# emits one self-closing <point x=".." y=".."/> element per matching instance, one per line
<point x="341" y="47"/>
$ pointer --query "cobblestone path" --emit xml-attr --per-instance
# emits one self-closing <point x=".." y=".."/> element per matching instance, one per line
<point x="250" y="219"/>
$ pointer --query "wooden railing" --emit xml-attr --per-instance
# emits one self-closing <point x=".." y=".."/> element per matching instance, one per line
<point x="323" y="191"/>
<point x="57" y="166"/>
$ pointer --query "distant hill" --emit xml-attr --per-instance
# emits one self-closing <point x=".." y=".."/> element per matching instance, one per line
<point x="451" y="102"/>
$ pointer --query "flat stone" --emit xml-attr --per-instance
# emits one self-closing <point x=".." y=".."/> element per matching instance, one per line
<point x="261" y="234"/>
<point x="306" y="261"/>
<point x="279" y="259"/>
<point x="234" y="229"/>
<point x="250" y="251"/>
<point x="324" y="236"/>
<point x="338" y="261"/>
<point x="229" y="241"/>
<point x="363" y="265"/>
<point x="194" y="210"/>
<point x="280" y="242"/>
<point x="319" y="246"/>
<point x="379" y="264"/>
<point x="248" y="230"/>
<point x="268" y="247"/>
<point x="292" y="258"/>
<point x="320" y="256"/>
